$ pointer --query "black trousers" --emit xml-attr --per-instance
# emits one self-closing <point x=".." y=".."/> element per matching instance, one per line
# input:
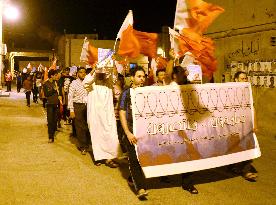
<point x="187" y="179"/>
<point x="18" y="86"/>
<point x="35" y="93"/>
<point x="51" y="119"/>
<point x="120" y="132"/>
<point x="243" y="167"/>
<point x="134" y="166"/>
<point x="8" y="83"/>
<point x="28" y="96"/>
<point x="82" y="131"/>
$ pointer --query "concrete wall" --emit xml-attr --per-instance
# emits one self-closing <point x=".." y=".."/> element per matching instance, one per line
<point x="243" y="33"/>
<point x="73" y="49"/>
<point x="69" y="50"/>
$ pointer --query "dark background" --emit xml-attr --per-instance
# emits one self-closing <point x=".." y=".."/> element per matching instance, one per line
<point x="42" y="20"/>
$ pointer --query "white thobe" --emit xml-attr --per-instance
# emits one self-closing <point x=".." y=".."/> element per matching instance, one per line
<point x="101" y="120"/>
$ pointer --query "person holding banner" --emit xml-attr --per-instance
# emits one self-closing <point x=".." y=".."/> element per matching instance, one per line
<point x="179" y="77"/>
<point x="125" y="113"/>
<point x="161" y="75"/>
<point x="245" y="169"/>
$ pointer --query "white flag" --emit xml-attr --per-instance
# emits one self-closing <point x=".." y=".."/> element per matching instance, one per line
<point x="84" y="51"/>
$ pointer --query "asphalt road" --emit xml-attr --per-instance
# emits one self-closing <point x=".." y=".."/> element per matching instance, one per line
<point x="35" y="172"/>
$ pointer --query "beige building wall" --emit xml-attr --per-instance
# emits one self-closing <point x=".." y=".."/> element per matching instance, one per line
<point x="243" y="32"/>
<point x="70" y="46"/>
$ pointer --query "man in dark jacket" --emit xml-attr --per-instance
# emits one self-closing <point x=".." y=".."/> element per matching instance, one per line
<point x="53" y="97"/>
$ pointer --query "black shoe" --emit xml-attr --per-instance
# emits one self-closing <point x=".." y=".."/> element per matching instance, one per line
<point x="190" y="188"/>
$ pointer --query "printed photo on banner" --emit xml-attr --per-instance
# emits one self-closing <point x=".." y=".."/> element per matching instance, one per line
<point x="195" y="74"/>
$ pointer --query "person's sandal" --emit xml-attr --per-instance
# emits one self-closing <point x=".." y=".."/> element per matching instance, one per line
<point x="190" y="189"/>
<point x="142" y="193"/>
<point x="251" y="177"/>
<point x="111" y="164"/>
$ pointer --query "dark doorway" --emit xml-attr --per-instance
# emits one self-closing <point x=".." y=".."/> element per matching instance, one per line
<point x="17" y="59"/>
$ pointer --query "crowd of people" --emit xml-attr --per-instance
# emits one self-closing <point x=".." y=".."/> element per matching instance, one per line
<point x="98" y="106"/>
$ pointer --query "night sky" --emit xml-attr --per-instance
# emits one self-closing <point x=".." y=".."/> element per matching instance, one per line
<point x="87" y="16"/>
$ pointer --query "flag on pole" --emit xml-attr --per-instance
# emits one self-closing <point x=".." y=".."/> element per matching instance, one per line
<point x="89" y="54"/>
<point x="192" y="18"/>
<point x="181" y="15"/>
<point x="148" y="42"/>
<point x="45" y="74"/>
<point x="54" y="64"/>
<point x="127" y="22"/>
<point x="202" y="14"/>
<point x="129" y="44"/>
<point x="29" y="67"/>
<point x="133" y="42"/>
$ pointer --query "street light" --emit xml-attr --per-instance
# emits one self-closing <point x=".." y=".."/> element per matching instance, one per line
<point x="11" y="13"/>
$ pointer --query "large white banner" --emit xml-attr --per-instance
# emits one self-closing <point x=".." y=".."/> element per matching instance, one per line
<point x="193" y="127"/>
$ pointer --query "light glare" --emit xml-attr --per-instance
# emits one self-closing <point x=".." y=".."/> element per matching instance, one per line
<point x="11" y="13"/>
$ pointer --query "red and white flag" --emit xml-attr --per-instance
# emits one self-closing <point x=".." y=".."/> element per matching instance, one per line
<point x="89" y="54"/>
<point x="147" y="42"/>
<point x="54" y="64"/>
<point x="129" y="45"/>
<point x="133" y="42"/>
<point x="127" y="22"/>
<point x="192" y="18"/>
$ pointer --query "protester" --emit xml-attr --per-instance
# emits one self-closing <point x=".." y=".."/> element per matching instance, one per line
<point x="101" y="117"/>
<point x="179" y="77"/>
<point x="136" y="174"/>
<point x="35" y="88"/>
<point x="117" y="91"/>
<point x="8" y="80"/>
<point x="77" y="104"/>
<point x="160" y="75"/>
<point x="18" y="82"/>
<point x="60" y="92"/>
<point x="65" y="82"/>
<point x="245" y="169"/>
<point x="28" y="85"/>
<point x="50" y="89"/>
<point x="39" y="83"/>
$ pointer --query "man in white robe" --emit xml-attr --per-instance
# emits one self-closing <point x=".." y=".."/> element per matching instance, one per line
<point x="101" y="118"/>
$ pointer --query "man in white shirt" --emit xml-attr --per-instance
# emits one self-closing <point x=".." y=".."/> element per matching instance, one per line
<point x="77" y="104"/>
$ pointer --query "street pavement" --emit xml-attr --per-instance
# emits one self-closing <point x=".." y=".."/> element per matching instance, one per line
<point x="35" y="172"/>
